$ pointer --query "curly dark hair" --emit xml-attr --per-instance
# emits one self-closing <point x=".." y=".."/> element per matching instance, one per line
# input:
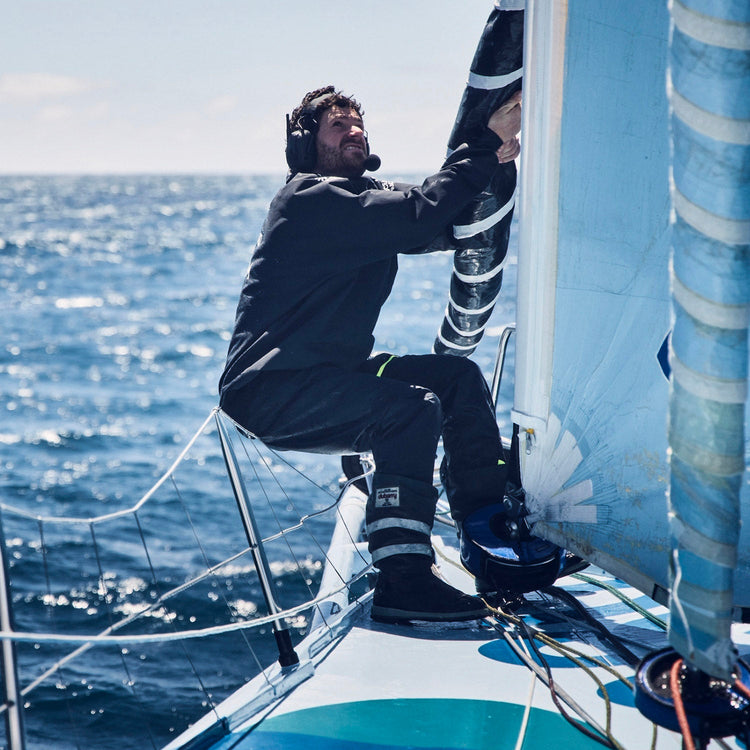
<point x="306" y="115"/>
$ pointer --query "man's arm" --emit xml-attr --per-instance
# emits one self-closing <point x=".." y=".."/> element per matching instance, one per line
<point x="505" y="123"/>
<point x="341" y="227"/>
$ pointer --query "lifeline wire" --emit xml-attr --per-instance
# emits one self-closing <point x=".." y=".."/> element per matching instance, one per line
<point x="157" y="637"/>
<point x="302" y="518"/>
<point x="125" y="511"/>
<point x="103" y="638"/>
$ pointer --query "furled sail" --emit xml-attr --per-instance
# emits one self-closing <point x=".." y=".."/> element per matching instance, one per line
<point x="481" y="232"/>
<point x="710" y="98"/>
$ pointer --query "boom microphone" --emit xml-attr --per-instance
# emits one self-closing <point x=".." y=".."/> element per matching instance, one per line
<point x="372" y="163"/>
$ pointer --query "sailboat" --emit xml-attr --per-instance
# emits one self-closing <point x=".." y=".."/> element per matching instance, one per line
<point x="628" y="414"/>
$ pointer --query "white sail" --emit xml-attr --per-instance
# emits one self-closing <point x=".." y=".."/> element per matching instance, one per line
<point x="593" y="297"/>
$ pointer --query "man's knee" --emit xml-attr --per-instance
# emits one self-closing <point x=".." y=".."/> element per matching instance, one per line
<point x="418" y="411"/>
<point x="404" y="440"/>
<point x="461" y="368"/>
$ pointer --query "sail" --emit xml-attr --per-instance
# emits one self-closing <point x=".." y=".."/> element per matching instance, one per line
<point x="710" y="99"/>
<point x="593" y="314"/>
<point x="481" y="231"/>
<point x="591" y="391"/>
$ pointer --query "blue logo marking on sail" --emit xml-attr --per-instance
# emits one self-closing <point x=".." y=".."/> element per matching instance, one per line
<point x="662" y="356"/>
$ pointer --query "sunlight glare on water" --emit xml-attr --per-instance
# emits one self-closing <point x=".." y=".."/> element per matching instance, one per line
<point x="118" y="297"/>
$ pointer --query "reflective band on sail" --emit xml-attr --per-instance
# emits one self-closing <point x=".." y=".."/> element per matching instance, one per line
<point x="726" y="129"/>
<point x="705" y="604"/>
<point x="731" y="231"/>
<point x="462" y="231"/>
<point x="479" y="278"/>
<point x="457" y="347"/>
<point x="715" y="314"/>
<point x="707" y="461"/>
<point x="399" y="523"/>
<point x="471" y="332"/>
<point x="722" y="390"/>
<point x="469" y="311"/>
<point x="713" y="31"/>
<point x="490" y="83"/>
<point x="690" y="538"/>
<point x="401" y="549"/>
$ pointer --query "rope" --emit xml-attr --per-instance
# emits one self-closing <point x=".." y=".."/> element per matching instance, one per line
<point x="623" y="598"/>
<point x="679" y="706"/>
<point x="602" y="735"/>
<point x="526" y="713"/>
<point x="739" y="685"/>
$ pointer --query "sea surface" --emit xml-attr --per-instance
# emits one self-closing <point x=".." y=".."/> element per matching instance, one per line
<point x="117" y="296"/>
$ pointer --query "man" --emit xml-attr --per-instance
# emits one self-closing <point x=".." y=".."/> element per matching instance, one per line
<point x="300" y="372"/>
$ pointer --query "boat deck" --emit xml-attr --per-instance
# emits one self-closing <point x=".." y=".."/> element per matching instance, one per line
<point x="467" y="685"/>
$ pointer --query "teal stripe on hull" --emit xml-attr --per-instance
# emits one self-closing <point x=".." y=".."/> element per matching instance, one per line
<point x="411" y="723"/>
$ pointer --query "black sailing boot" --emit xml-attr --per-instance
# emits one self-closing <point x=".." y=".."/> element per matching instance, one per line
<point x="409" y="588"/>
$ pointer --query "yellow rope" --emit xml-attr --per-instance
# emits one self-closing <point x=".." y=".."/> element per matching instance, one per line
<point x="568" y="652"/>
<point x="573" y="654"/>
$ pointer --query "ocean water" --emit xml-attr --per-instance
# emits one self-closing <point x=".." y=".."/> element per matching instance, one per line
<point x="117" y="300"/>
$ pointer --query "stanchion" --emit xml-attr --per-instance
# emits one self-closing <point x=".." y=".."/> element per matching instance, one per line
<point x="11" y="693"/>
<point x="287" y="655"/>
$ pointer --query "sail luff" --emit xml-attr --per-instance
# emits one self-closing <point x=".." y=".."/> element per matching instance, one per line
<point x="710" y="115"/>
<point x="544" y="62"/>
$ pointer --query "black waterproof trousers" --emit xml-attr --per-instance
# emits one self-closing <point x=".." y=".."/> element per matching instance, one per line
<point x="397" y="408"/>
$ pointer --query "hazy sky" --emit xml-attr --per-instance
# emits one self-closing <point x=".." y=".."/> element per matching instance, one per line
<point x="92" y="86"/>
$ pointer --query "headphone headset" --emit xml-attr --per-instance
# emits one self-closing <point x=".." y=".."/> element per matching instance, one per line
<point x="301" y="151"/>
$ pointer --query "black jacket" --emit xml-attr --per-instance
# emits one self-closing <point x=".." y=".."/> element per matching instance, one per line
<point x="325" y="262"/>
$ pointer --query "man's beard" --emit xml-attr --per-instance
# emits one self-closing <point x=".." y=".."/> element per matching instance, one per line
<point x="336" y="161"/>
